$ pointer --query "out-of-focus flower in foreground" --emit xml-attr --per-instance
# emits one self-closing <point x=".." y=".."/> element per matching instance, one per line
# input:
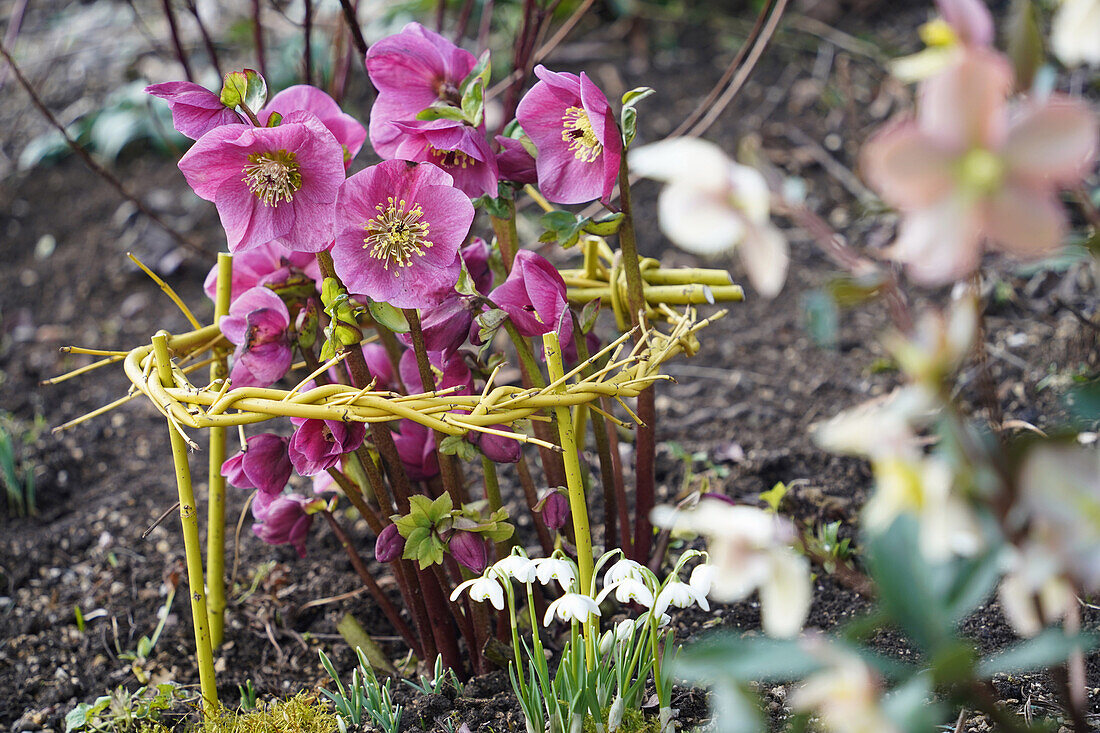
<point x="1075" y="32"/>
<point x="846" y="694"/>
<point x="712" y="204"/>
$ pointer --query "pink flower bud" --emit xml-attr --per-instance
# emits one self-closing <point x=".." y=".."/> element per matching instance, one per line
<point x="264" y="465"/>
<point x="496" y="448"/>
<point x="389" y="545"/>
<point x="470" y="550"/>
<point x="555" y="510"/>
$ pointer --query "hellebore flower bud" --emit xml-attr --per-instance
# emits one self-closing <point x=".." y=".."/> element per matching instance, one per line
<point x="389" y="545"/>
<point x="470" y="550"/>
<point x="555" y="510"/>
<point x="496" y="448"/>
<point x="263" y="465"/>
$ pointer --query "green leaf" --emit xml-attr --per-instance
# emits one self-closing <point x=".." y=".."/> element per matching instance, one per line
<point x="773" y="497"/>
<point x="457" y="445"/>
<point x="1084" y="401"/>
<point x="77" y="718"/>
<point x="244" y="89"/>
<point x="274" y="120"/>
<point x="724" y="654"/>
<point x="390" y="317"/>
<point x="441" y="111"/>
<point x="629" y="124"/>
<point x="473" y="103"/>
<point x="358" y="638"/>
<point x="848" y="290"/>
<point x="1051" y="647"/>
<point x="636" y="95"/>
<point x="114" y="129"/>
<point x="465" y="284"/>
<point x="911" y="706"/>
<point x="440" y="508"/>
<point x="605" y="226"/>
<point x="1024" y="41"/>
<point x="478" y="75"/>
<point x="972" y="582"/>
<point x="589" y="313"/>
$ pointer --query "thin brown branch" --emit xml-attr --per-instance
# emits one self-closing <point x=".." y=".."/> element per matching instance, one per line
<point x="177" y="43"/>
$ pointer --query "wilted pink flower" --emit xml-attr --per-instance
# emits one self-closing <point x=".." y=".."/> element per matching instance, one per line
<point x="263" y="465"/>
<point x="555" y="510"/>
<point x="389" y="545"/>
<point x="450" y="370"/>
<point x="317" y="445"/>
<point x="496" y="448"/>
<point x="574" y="130"/>
<point x="270" y="183"/>
<point x="304" y="98"/>
<point x="514" y="162"/>
<point x="966" y="170"/>
<point x="286" y="521"/>
<point x="455" y="147"/>
<point x="268" y="263"/>
<point x="412" y="70"/>
<point x="257" y="324"/>
<point x="533" y="296"/>
<point x="470" y="550"/>
<point x="195" y="110"/>
<point x="416" y="446"/>
<point x="398" y="229"/>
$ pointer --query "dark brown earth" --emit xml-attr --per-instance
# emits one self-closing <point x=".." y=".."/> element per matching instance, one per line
<point x="747" y="400"/>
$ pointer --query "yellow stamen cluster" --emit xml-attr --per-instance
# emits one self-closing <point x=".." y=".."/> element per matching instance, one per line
<point x="396" y="234"/>
<point x="451" y="158"/>
<point x="580" y="136"/>
<point x="273" y="177"/>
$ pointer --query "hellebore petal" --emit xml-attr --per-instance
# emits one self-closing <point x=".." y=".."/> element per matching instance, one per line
<point x="496" y="448"/>
<point x="449" y="370"/>
<point x="266" y="463"/>
<point x="970" y="20"/>
<point x="1025" y="223"/>
<point x="1052" y="143"/>
<point x="286" y="522"/>
<point x="515" y="163"/>
<point x="416" y="447"/>
<point x="457" y="148"/>
<point x="195" y="110"/>
<point x="906" y="167"/>
<point x="533" y="295"/>
<point x="304" y="98"/>
<point x="317" y="445"/>
<point x="964" y="106"/>
<point x="257" y="323"/>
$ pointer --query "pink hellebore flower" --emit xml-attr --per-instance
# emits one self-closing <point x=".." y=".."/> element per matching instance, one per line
<point x="257" y="323"/>
<point x="398" y="229"/>
<point x="317" y="445"/>
<point x="412" y="70"/>
<point x="515" y="163"/>
<point x="449" y="369"/>
<point x="455" y="147"/>
<point x="263" y="465"/>
<point x="286" y="521"/>
<point x="970" y="19"/>
<point x="416" y="446"/>
<point x="574" y="130"/>
<point x="476" y="256"/>
<point x="195" y="110"/>
<point x="270" y="183"/>
<point x="381" y="368"/>
<point x="966" y="170"/>
<point x="268" y="263"/>
<point x="533" y="296"/>
<point x="303" y="98"/>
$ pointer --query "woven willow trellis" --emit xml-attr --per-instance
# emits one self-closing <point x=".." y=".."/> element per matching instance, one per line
<point x="622" y="369"/>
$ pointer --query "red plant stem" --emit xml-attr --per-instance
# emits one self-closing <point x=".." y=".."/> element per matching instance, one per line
<point x="356" y="31"/>
<point x="447" y="470"/>
<point x="485" y="27"/>
<point x="91" y="163"/>
<point x="443" y="621"/>
<point x="440" y="15"/>
<point x="617" y="476"/>
<point x="464" y="20"/>
<point x="507" y="237"/>
<point x="380" y="597"/>
<point x="258" y="37"/>
<point x="307" y="42"/>
<point x="462" y="612"/>
<point x="207" y="41"/>
<point x="177" y="44"/>
<point x="532" y="497"/>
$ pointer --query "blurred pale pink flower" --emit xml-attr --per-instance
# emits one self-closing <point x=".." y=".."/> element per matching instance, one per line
<point x="270" y="183"/>
<point x="966" y="171"/>
<point x="412" y="70"/>
<point x="195" y="109"/>
<point x="257" y="324"/>
<point x="963" y="24"/>
<point x="846" y="694"/>
<point x="1075" y="32"/>
<point x="304" y="98"/>
<point x="712" y="204"/>
<point x="399" y="226"/>
<point x="574" y="130"/>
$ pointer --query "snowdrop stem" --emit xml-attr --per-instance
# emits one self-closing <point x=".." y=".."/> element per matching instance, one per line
<point x="656" y="648"/>
<point x="191" y="544"/>
<point x="215" y="523"/>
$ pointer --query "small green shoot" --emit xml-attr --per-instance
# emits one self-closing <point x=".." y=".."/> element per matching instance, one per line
<point x="774" y="496"/>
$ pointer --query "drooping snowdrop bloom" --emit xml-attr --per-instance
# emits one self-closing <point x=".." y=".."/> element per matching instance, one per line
<point x="847" y="695"/>
<point x="967" y="171"/>
<point x="195" y="109"/>
<point x="1075" y="32"/>
<point x="398" y="229"/>
<point x="701" y="581"/>
<point x="454" y="146"/>
<point x="749" y="549"/>
<point x="317" y="445"/>
<point x="304" y="98"/>
<point x="412" y="70"/>
<point x="269" y="263"/>
<point x="622" y="570"/>
<point x="712" y="204"/>
<point x="257" y="324"/>
<point x="556" y="568"/>
<point x="571" y="607"/>
<point x="1034" y="572"/>
<point x="628" y="590"/>
<point x="482" y="588"/>
<point x="263" y="464"/>
<point x="676" y="594"/>
<point x="574" y="130"/>
<point x="270" y="183"/>
<point x="515" y="567"/>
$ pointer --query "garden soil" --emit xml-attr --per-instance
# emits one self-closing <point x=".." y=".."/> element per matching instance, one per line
<point x="744" y="404"/>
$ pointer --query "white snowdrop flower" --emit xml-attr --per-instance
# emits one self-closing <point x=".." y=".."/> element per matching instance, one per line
<point x="675" y="593"/>
<point x="785" y="597"/>
<point x="662" y="621"/>
<point x="623" y="569"/>
<point x="846" y="695"/>
<point x="571" y="607"/>
<point x="624" y="630"/>
<point x="515" y="566"/>
<point x="481" y="589"/>
<point x="553" y="568"/>
<point x="712" y="204"/>
<point x="627" y="590"/>
<point x="1075" y="32"/>
<point x="701" y="580"/>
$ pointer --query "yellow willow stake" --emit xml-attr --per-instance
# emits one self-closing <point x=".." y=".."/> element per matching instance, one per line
<point x="191" y="545"/>
<point x="578" y="505"/>
<point x="215" y="522"/>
